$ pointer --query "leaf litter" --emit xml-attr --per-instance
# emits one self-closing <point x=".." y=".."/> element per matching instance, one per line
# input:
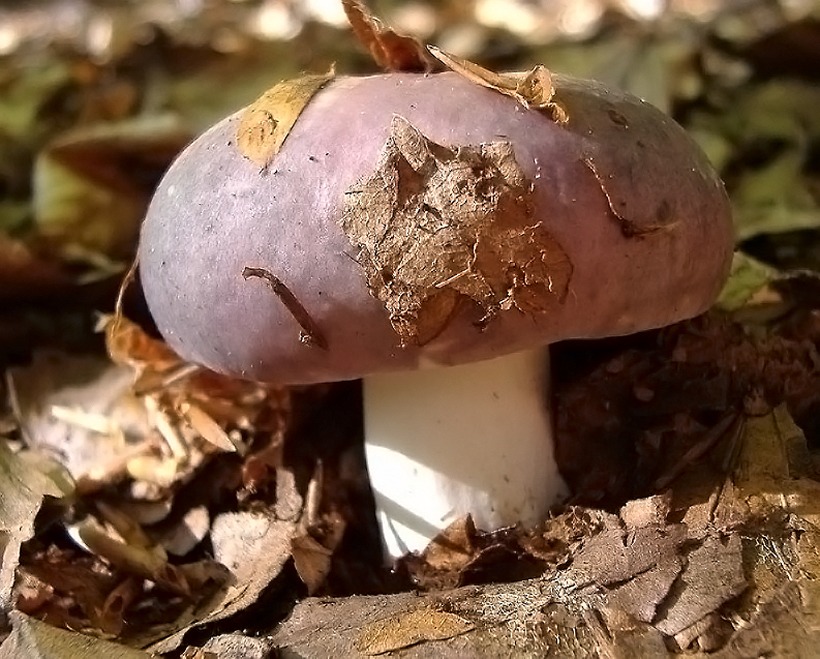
<point x="193" y="501"/>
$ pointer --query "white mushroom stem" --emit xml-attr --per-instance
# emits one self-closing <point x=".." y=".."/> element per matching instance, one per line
<point x="444" y="442"/>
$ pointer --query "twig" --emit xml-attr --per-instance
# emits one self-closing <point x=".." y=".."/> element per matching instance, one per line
<point x="709" y="440"/>
<point x="311" y="334"/>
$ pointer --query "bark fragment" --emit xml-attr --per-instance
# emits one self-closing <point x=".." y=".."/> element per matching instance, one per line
<point x="435" y="226"/>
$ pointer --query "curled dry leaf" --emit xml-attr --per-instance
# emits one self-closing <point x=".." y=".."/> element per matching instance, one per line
<point x="146" y="562"/>
<point x="390" y="50"/>
<point x="533" y="88"/>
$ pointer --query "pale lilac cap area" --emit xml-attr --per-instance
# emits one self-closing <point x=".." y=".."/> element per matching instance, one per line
<point x="618" y="220"/>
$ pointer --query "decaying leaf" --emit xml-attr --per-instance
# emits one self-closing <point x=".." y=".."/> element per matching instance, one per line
<point x="713" y="576"/>
<point x="92" y="185"/>
<point x="533" y="88"/>
<point x="390" y="50"/>
<point x="401" y="631"/>
<point x="81" y="409"/>
<point x="24" y="483"/>
<point x="33" y="639"/>
<point x="265" y="124"/>
<point x="238" y="646"/>
<point x="254" y="547"/>
<point x="423" y="255"/>
<point x="26" y="275"/>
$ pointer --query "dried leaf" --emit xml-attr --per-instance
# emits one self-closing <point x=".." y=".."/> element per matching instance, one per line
<point x="423" y="255"/>
<point x="92" y="186"/>
<point x="312" y="561"/>
<point x="390" y="50"/>
<point x="254" y="547"/>
<point x="453" y="548"/>
<point x="25" y="275"/>
<point x="642" y="594"/>
<point x="82" y="409"/>
<point x="411" y="628"/>
<point x="207" y="428"/>
<point x="33" y="639"/>
<point x="112" y="616"/>
<point x="265" y="124"/>
<point x="616" y="554"/>
<point x="713" y="575"/>
<point x="239" y="646"/>
<point x="24" y="483"/>
<point x="146" y="562"/>
<point x="533" y="88"/>
<point x="129" y="345"/>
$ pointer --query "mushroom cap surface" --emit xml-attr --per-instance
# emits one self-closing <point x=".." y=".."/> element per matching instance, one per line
<point x="637" y="217"/>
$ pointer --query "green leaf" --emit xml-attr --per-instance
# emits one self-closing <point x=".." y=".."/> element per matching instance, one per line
<point x="748" y="277"/>
<point x="775" y="199"/>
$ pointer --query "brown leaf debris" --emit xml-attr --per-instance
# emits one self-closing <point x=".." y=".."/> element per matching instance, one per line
<point x="533" y="88"/>
<point x="390" y="50"/>
<point x="435" y="226"/>
<point x="401" y="631"/>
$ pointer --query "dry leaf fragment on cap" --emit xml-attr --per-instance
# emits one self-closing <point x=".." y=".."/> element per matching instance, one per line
<point x="266" y="123"/>
<point x="390" y="50"/>
<point x="533" y="88"/>
<point x="423" y="254"/>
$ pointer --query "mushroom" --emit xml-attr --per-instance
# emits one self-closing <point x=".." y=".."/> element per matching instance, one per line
<point x="433" y="236"/>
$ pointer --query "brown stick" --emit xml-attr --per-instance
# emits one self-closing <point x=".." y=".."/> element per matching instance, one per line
<point x="311" y="334"/>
